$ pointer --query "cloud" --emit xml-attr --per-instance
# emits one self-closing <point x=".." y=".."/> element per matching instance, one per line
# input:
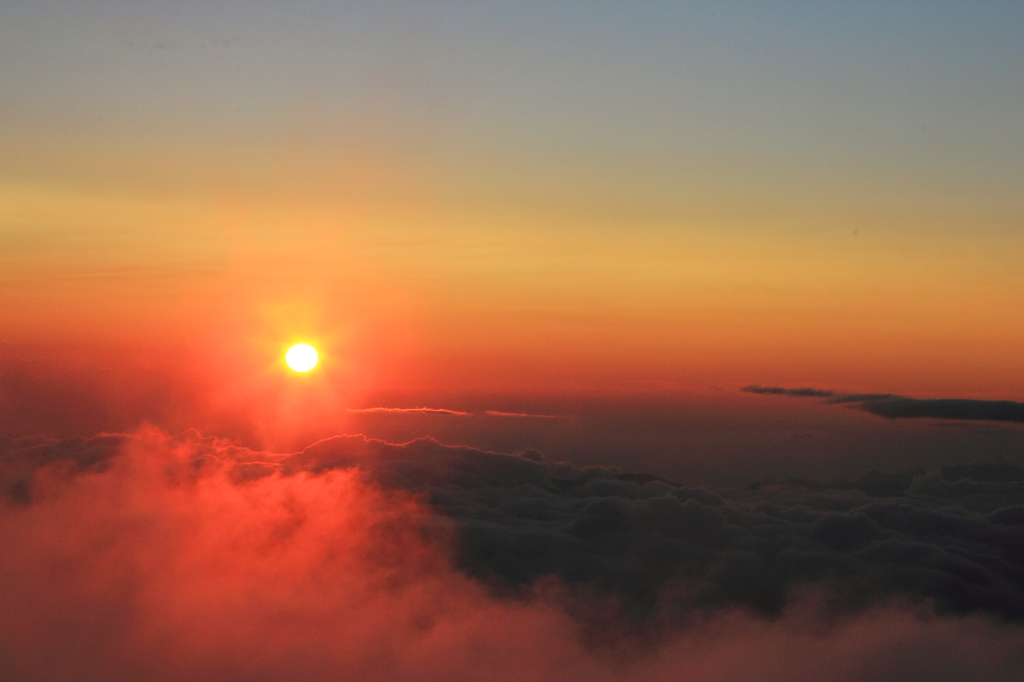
<point x="409" y="410"/>
<point x="149" y="557"/>
<point x="521" y="519"/>
<point x="951" y="408"/>
<point x="791" y="392"/>
<point x="899" y="407"/>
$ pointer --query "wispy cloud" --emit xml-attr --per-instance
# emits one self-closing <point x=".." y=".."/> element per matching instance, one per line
<point x="408" y="410"/>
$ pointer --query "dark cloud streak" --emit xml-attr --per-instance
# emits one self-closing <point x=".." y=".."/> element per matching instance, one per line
<point x="899" y="407"/>
<point x="790" y="392"/>
<point x="948" y="408"/>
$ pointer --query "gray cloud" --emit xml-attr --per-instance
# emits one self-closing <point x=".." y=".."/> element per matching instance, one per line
<point x="791" y="392"/>
<point x="950" y="408"/>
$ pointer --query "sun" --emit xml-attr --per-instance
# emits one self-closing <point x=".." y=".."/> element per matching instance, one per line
<point x="301" y="357"/>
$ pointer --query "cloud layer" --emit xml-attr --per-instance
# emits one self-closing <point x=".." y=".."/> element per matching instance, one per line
<point x="639" y="538"/>
<point x="147" y="557"/>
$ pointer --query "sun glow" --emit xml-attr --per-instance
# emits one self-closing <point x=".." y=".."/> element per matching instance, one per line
<point x="301" y="357"/>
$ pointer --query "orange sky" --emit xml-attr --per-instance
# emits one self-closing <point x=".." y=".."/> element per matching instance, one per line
<point x="475" y="202"/>
<point x="463" y="296"/>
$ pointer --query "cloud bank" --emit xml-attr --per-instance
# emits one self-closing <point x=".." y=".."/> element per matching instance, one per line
<point x="146" y="557"/>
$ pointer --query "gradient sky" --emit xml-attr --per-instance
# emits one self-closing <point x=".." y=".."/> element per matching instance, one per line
<point x="516" y="197"/>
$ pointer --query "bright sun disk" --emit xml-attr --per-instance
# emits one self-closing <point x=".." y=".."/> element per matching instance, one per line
<point x="301" y="357"/>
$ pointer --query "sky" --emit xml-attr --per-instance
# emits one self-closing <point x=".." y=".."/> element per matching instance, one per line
<point x="716" y="245"/>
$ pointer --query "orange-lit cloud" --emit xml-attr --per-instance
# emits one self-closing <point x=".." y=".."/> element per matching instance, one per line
<point x="407" y="410"/>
